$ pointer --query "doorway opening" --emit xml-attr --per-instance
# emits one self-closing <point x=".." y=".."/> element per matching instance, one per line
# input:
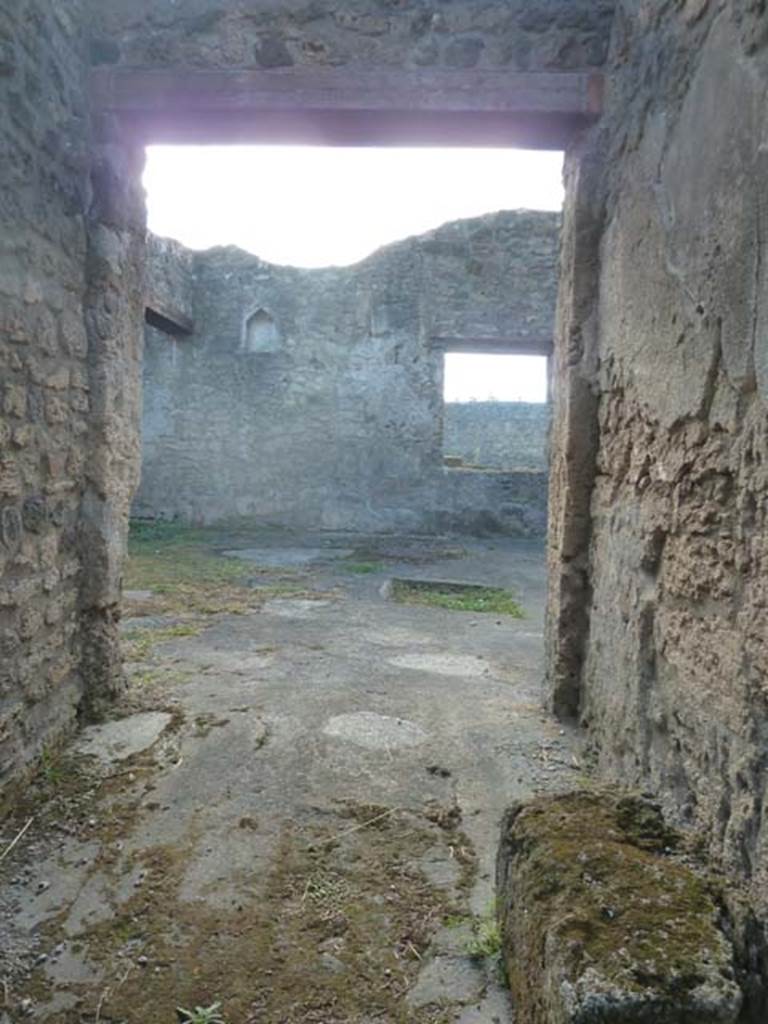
<point x="318" y="206"/>
<point x="327" y="768"/>
<point x="307" y="388"/>
<point x="331" y="610"/>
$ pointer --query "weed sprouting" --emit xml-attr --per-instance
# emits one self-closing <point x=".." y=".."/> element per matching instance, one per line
<point x="50" y="767"/>
<point x="486" y="939"/>
<point x="201" y="1015"/>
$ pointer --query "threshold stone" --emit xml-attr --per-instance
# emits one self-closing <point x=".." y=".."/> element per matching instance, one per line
<point x="602" y="923"/>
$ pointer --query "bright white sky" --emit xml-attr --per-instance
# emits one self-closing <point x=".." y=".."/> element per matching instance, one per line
<point x="315" y="207"/>
<point x="488" y="377"/>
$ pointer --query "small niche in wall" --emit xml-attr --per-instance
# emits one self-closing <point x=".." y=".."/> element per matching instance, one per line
<point x="261" y="333"/>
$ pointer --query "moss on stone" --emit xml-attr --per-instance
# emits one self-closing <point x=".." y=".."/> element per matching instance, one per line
<point x="601" y="921"/>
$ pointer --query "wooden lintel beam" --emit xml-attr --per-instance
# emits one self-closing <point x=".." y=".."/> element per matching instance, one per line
<point x="168" y="320"/>
<point x="340" y="106"/>
<point x="342" y="89"/>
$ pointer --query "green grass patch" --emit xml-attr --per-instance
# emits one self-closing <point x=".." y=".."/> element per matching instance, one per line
<point x="456" y="597"/>
<point x="185" y="572"/>
<point x="362" y="568"/>
<point x="187" y="575"/>
<point x="139" y="642"/>
<point x="164" y="557"/>
<point x="161" y="675"/>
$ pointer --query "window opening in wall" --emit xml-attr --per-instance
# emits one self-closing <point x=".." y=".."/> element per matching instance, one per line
<point x="496" y="414"/>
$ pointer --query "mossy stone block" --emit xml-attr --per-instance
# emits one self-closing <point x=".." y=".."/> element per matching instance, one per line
<point x="603" y="923"/>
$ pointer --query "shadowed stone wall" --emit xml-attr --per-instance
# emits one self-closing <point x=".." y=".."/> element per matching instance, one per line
<point x="659" y="548"/>
<point x="68" y="381"/>
<point x="499" y="435"/>
<point x="44" y="374"/>
<point x="313" y="398"/>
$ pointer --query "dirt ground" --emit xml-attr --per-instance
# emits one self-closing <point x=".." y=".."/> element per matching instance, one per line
<point x="294" y="811"/>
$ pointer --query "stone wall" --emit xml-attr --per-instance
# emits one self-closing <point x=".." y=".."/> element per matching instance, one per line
<point x="313" y="398"/>
<point x="494" y="279"/>
<point x="44" y="374"/>
<point x="658" y="553"/>
<point x="513" y="34"/>
<point x="57" y="464"/>
<point x="500" y="435"/>
<point x="113" y="310"/>
<point x="660" y="491"/>
<point x="481" y="503"/>
<point x="72" y="290"/>
<point x="170" y="280"/>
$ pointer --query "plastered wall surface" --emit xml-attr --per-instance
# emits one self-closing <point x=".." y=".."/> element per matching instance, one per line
<point x="314" y="398"/>
<point x="659" y="477"/>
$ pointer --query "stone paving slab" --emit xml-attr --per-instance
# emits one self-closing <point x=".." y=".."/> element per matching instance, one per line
<point x="121" y="738"/>
<point x="312" y="761"/>
<point x="288" y="558"/>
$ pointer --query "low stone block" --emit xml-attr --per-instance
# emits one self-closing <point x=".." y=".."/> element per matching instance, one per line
<point x="602" y="922"/>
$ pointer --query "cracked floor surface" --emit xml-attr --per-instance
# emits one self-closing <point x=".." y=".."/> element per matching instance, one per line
<point x="294" y="812"/>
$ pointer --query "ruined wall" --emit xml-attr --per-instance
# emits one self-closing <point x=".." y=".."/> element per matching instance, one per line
<point x="657" y="604"/>
<point x="663" y="355"/>
<point x="313" y="398"/>
<point x="72" y="292"/>
<point x="494" y="278"/>
<point x="54" y="456"/>
<point x="43" y="372"/>
<point x="501" y="435"/>
<point x="170" y="279"/>
<point x="516" y="35"/>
